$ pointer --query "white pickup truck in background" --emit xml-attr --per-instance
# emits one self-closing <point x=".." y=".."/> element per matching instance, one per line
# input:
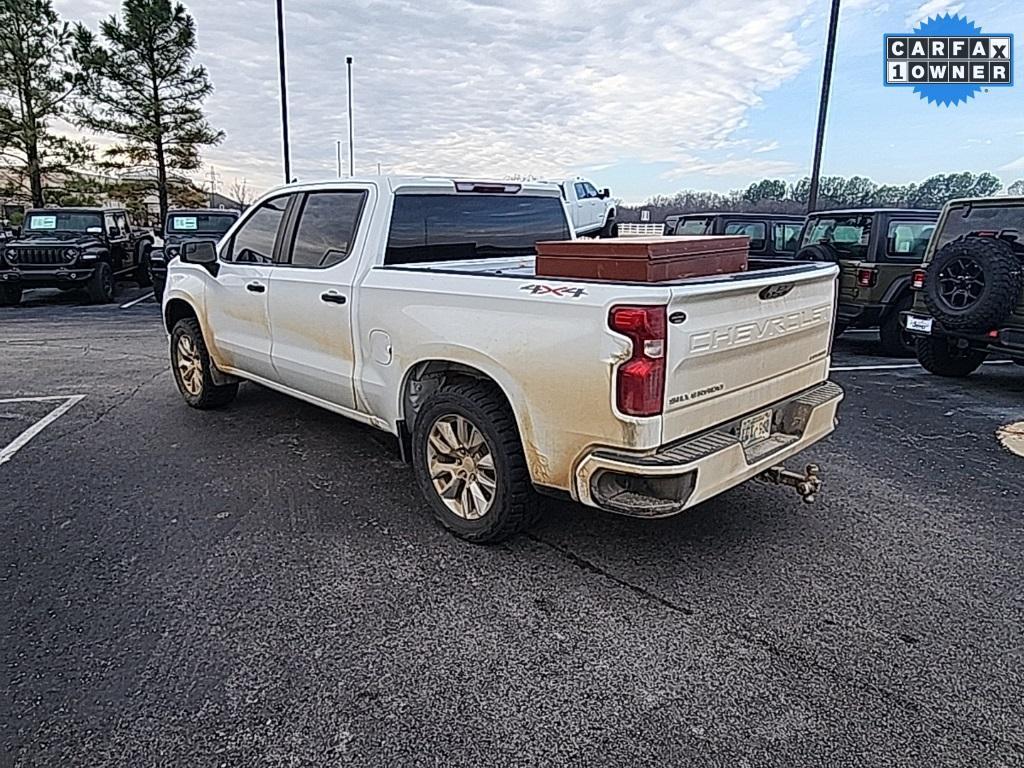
<point x="412" y="305"/>
<point x="592" y="210"/>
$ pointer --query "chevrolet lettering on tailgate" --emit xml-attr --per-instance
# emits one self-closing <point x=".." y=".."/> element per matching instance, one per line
<point x="751" y="332"/>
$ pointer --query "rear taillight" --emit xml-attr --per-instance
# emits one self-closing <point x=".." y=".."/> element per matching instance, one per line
<point x="640" y="380"/>
<point x="917" y="279"/>
<point x="867" y="278"/>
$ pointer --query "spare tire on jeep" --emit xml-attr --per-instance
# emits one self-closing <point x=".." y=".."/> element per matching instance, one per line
<point x="973" y="283"/>
<point x="818" y="252"/>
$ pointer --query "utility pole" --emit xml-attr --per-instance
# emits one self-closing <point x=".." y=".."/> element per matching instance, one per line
<point x="213" y="185"/>
<point x="284" y="92"/>
<point x="338" y="142"/>
<point x="351" y="158"/>
<point x="826" y="86"/>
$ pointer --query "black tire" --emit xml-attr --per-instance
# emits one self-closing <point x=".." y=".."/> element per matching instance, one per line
<point x="949" y="288"/>
<point x="10" y="295"/>
<point x="896" y="341"/>
<point x="942" y="358"/>
<point x="610" y="229"/>
<point x="817" y="252"/>
<point x="142" y="276"/>
<point x="158" y="290"/>
<point x="101" y="287"/>
<point x="515" y="504"/>
<point x="199" y="389"/>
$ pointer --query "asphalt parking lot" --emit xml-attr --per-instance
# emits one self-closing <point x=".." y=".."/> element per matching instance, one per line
<point x="263" y="586"/>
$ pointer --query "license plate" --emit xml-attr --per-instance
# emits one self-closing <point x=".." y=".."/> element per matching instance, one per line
<point x="919" y="324"/>
<point x="754" y="429"/>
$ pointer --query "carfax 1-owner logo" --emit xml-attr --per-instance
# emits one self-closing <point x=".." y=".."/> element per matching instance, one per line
<point x="948" y="59"/>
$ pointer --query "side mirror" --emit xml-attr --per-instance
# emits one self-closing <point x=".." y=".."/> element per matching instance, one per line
<point x="604" y="193"/>
<point x="204" y="252"/>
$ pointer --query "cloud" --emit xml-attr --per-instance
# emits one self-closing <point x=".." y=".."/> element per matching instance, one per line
<point x="771" y="146"/>
<point x="474" y="87"/>
<point x="933" y="8"/>
<point x="735" y="166"/>
<point x="1013" y="165"/>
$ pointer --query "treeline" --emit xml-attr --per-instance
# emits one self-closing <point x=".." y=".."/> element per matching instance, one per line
<point x="132" y="81"/>
<point x="778" y="196"/>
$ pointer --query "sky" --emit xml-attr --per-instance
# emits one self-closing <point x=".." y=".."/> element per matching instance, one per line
<point x="645" y="98"/>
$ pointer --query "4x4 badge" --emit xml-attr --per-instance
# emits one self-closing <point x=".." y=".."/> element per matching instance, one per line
<point x="775" y="291"/>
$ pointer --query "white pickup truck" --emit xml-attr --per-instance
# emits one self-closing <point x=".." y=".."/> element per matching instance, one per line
<point x="411" y="304"/>
<point x="591" y="210"/>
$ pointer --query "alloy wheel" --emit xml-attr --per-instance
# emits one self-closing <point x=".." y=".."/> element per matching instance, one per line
<point x="190" y="366"/>
<point x="961" y="283"/>
<point x="461" y="467"/>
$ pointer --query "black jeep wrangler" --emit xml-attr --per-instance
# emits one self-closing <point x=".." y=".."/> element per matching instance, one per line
<point x="877" y="250"/>
<point x="186" y="226"/>
<point x="71" y="248"/>
<point x="772" y="235"/>
<point x="970" y="292"/>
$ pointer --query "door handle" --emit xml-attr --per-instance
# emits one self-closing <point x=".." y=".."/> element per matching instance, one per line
<point x="333" y="298"/>
<point x="255" y="287"/>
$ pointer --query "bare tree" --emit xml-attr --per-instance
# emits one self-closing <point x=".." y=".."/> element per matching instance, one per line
<point x="241" y="192"/>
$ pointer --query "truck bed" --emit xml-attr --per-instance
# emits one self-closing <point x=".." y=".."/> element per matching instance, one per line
<point x="523" y="267"/>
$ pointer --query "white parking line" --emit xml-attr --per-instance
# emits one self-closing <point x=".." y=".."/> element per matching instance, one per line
<point x="133" y="302"/>
<point x="7" y="452"/>
<point x="125" y="271"/>
<point x="898" y="366"/>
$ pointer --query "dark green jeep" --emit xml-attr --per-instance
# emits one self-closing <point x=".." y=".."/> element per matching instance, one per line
<point x="970" y="293"/>
<point x="877" y="249"/>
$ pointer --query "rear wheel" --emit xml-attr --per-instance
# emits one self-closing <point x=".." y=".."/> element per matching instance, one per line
<point x="10" y="295"/>
<point x="101" y="285"/>
<point x="896" y="341"/>
<point x="943" y="358"/>
<point x="193" y="369"/>
<point x="469" y="463"/>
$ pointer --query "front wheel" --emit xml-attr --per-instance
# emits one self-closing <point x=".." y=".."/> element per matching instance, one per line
<point x="469" y="463"/>
<point x="937" y="355"/>
<point x="101" y="285"/>
<point x="142" y="276"/>
<point x="610" y="229"/>
<point x="192" y="368"/>
<point x="10" y="295"/>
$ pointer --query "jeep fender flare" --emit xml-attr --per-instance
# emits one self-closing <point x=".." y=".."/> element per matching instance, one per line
<point x="898" y="287"/>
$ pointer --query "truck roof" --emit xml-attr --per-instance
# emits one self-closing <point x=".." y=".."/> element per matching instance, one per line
<point x="409" y="184"/>
<point x="997" y="200"/>
<point x="739" y="215"/>
<point x="76" y="209"/>
<point x="923" y="212"/>
<point x="225" y="211"/>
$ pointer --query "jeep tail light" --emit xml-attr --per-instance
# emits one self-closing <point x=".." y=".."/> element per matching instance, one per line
<point x="640" y="380"/>
<point x="867" y="278"/>
<point x="917" y="279"/>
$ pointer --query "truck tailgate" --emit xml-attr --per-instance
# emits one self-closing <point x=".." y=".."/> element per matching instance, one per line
<point x="737" y="346"/>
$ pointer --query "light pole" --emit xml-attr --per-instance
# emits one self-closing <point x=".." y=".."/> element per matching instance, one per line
<point x="351" y="159"/>
<point x="826" y="85"/>
<point x="284" y="92"/>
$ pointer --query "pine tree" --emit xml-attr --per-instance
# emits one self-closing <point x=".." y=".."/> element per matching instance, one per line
<point x="142" y="88"/>
<point x="38" y="76"/>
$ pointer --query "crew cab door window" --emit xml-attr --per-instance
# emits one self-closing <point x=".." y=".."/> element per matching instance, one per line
<point x="581" y="191"/>
<point x="699" y="226"/>
<point x="121" y="220"/>
<point x="254" y="242"/>
<point x="327" y="226"/>
<point x="755" y="230"/>
<point x="111" y="226"/>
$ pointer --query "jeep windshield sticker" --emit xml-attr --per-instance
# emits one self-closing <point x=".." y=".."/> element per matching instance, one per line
<point x="539" y="289"/>
<point x="947" y="60"/>
<point x="184" y="222"/>
<point x="42" y="222"/>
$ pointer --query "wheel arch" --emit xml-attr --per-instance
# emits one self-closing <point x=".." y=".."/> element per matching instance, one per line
<point x="178" y="309"/>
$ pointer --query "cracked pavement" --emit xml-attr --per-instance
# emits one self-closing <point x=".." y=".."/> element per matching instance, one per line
<point x="262" y="586"/>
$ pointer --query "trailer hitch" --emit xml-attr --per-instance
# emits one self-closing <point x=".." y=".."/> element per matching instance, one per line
<point x="807" y="484"/>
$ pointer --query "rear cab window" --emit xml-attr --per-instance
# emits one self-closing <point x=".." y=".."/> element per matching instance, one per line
<point x="786" y="236"/>
<point x="463" y="227"/>
<point x="965" y="218"/>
